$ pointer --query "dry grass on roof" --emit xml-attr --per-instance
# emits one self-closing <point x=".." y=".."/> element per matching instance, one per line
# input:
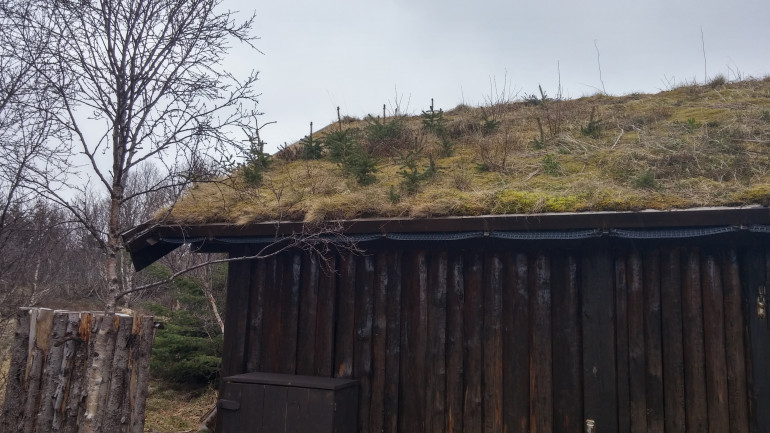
<point x="691" y="146"/>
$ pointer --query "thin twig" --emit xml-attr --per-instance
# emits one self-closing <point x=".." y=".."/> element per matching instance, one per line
<point x="622" y="131"/>
<point x="598" y="61"/>
<point x="703" y="46"/>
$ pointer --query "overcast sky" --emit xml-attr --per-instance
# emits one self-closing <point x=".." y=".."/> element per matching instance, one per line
<point x="359" y="55"/>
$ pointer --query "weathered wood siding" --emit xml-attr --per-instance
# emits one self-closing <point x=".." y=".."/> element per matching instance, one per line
<point x="48" y="380"/>
<point x="657" y="337"/>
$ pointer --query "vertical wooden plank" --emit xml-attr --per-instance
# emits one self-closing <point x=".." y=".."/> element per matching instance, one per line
<point x="324" y="341"/>
<point x="55" y="354"/>
<point x="541" y="379"/>
<point x="653" y="342"/>
<point x="308" y="315"/>
<point x="636" y="366"/>
<point x="238" y="285"/>
<point x="714" y="345"/>
<point x="758" y="275"/>
<point x="254" y="343"/>
<point x="599" y="375"/>
<point x="567" y="368"/>
<point x="435" y="389"/>
<point x="673" y="359"/>
<point x="275" y="402"/>
<point x="40" y="340"/>
<point x="362" y="370"/>
<point x="290" y="314"/>
<point x="66" y="374"/>
<point x="413" y="340"/>
<point x="144" y="331"/>
<point x="694" y="362"/>
<point x="16" y="381"/>
<point x="473" y="322"/>
<point x="393" y="342"/>
<point x="737" y="390"/>
<point x="346" y="331"/>
<point x="454" y="345"/>
<point x="252" y="399"/>
<point x="754" y="275"/>
<point x="621" y="343"/>
<point x="297" y="418"/>
<point x="516" y="347"/>
<point x="492" y="344"/>
<point x="72" y="417"/>
<point x="118" y="400"/>
<point x="379" y="343"/>
<point x="271" y="332"/>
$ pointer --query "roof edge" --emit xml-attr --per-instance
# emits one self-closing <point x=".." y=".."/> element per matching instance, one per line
<point x="143" y="241"/>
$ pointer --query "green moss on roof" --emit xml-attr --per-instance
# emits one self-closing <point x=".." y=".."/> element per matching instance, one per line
<point x="689" y="147"/>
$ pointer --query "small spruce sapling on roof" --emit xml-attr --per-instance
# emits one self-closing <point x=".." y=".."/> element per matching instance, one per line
<point x="594" y="127"/>
<point x="311" y="148"/>
<point x="411" y="172"/>
<point x="256" y="159"/>
<point x="435" y="122"/>
<point x="344" y="149"/>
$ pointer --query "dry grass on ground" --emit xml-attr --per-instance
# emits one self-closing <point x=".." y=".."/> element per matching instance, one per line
<point x="176" y="410"/>
<point x="691" y="146"/>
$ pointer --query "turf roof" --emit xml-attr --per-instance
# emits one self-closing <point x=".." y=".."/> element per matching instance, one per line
<point x="687" y="147"/>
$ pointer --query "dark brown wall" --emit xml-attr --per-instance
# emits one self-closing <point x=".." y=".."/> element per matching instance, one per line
<point x="507" y="339"/>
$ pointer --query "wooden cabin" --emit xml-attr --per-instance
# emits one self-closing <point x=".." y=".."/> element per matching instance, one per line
<point x="543" y="265"/>
<point x="514" y="323"/>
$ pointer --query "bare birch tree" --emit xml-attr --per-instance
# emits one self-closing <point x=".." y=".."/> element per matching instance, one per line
<point x="141" y="82"/>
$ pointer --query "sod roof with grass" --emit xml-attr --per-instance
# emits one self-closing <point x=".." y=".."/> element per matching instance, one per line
<point x="691" y="146"/>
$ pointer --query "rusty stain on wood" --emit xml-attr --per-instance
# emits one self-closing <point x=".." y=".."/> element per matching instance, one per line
<point x="86" y="324"/>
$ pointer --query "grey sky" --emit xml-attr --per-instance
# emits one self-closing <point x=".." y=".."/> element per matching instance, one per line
<point x="360" y="54"/>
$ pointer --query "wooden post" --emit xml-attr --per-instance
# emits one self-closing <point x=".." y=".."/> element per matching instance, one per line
<point x="454" y="346"/>
<point x="393" y="344"/>
<point x="379" y="333"/>
<point x="436" y="343"/>
<point x="473" y="321"/>
<point x="736" y="352"/>
<point x="492" y="344"/>
<point x="362" y="367"/>
<point x="673" y="361"/>
<point x="600" y="392"/>
<point x="653" y="341"/>
<point x="541" y="368"/>
<point x="567" y="347"/>
<point x="714" y="345"/>
<point x="621" y="344"/>
<point x="636" y="366"/>
<point x="694" y="361"/>
<point x="516" y="345"/>
<point x="16" y="382"/>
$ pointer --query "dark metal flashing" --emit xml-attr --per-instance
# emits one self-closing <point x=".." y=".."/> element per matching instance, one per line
<point x="145" y="242"/>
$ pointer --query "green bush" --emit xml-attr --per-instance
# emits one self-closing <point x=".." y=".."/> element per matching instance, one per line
<point x="340" y="144"/>
<point x="188" y="345"/>
<point x="344" y="149"/>
<point x="550" y="165"/>
<point x="646" y="180"/>
<point x="434" y="121"/>
<point x="594" y="127"/>
<point x="379" y="130"/>
<point x="490" y="124"/>
<point x="412" y="174"/>
<point x="311" y="148"/>
<point x="256" y="162"/>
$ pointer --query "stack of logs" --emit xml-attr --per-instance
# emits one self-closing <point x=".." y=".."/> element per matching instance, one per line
<point x="78" y="372"/>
